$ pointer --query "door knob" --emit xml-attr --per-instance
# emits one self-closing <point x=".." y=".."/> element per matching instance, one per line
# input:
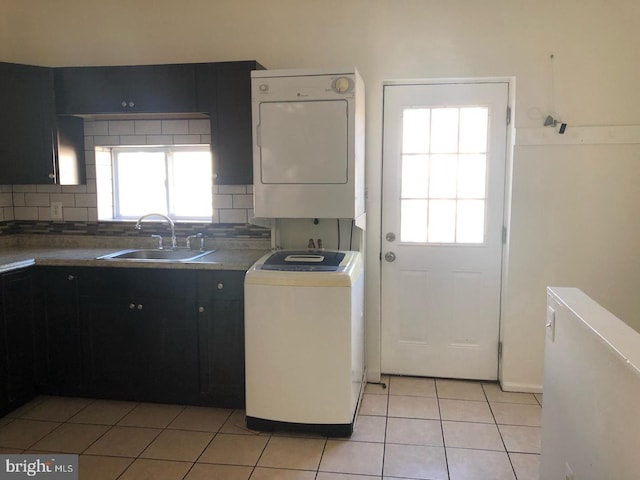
<point x="390" y="256"/>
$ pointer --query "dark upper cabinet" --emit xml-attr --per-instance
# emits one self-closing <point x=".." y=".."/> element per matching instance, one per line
<point x="224" y="90"/>
<point x="35" y="148"/>
<point x="128" y="89"/>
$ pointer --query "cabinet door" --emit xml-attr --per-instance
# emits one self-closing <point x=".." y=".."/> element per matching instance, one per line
<point x="130" y="89"/>
<point x="221" y="338"/>
<point x="89" y="90"/>
<point x="224" y="90"/>
<point x="111" y="333"/>
<point x="26" y="124"/>
<point x="18" y="332"/>
<point x="161" y="88"/>
<point x="58" y="344"/>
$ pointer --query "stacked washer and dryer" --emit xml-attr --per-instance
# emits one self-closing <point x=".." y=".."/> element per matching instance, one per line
<point x="304" y="307"/>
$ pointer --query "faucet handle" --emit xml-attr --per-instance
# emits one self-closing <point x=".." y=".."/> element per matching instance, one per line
<point x="160" y="244"/>
<point x="199" y="235"/>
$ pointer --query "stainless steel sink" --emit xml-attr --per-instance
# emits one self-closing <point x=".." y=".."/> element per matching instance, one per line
<point x="155" y="255"/>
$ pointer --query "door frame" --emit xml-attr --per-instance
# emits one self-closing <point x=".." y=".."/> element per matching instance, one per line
<point x="508" y="178"/>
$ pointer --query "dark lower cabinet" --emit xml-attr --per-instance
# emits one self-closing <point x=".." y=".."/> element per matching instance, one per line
<point x="17" y="357"/>
<point x="140" y="334"/>
<point x="221" y="338"/>
<point x="58" y="343"/>
<point x="156" y="335"/>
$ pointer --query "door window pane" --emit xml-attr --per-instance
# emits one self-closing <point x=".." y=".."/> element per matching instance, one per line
<point x="415" y="176"/>
<point x="413" y="220"/>
<point x="444" y="174"/>
<point x="415" y="130"/>
<point x="442" y="221"/>
<point x="473" y="129"/>
<point x="444" y="130"/>
<point x="472" y="176"/>
<point x="444" y="170"/>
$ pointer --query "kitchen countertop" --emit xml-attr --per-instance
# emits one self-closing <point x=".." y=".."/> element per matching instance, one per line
<point x="69" y="253"/>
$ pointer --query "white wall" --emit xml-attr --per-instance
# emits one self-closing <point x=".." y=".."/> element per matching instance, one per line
<point x="595" y="82"/>
<point x="590" y="418"/>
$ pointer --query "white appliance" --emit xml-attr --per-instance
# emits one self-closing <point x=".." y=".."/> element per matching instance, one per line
<point x="304" y="341"/>
<point x="308" y="143"/>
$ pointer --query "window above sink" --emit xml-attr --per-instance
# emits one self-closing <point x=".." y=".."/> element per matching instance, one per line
<point x="173" y="180"/>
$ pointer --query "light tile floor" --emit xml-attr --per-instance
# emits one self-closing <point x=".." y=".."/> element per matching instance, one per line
<point x="417" y="428"/>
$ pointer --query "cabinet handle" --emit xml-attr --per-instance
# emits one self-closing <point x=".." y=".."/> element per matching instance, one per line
<point x="220" y="286"/>
<point x="132" y="104"/>
<point x="52" y="176"/>
<point x="70" y="277"/>
<point x="139" y="306"/>
<point x="124" y="103"/>
<point x="200" y="309"/>
<point x="132" y="306"/>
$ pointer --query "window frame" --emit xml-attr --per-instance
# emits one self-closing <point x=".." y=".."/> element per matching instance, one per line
<point x="168" y="151"/>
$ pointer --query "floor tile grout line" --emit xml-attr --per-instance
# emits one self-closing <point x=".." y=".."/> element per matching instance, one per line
<point x="444" y="445"/>
<point x="513" y="469"/>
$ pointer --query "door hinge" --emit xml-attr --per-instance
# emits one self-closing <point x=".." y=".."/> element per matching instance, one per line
<point x="499" y="349"/>
<point x="508" y="115"/>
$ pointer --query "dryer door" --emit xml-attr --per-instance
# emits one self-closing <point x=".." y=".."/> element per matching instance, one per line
<point x="304" y="142"/>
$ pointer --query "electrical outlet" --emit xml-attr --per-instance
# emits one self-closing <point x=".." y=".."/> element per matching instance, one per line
<point x="56" y="211"/>
<point x="568" y="473"/>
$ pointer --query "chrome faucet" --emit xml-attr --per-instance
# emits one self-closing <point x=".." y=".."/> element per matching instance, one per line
<point x="173" y="226"/>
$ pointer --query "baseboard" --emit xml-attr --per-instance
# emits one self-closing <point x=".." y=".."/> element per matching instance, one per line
<point x="521" y="387"/>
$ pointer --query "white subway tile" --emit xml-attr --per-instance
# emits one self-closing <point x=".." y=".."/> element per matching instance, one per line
<point x="88" y="142"/>
<point x="6" y="199"/>
<point x="133" y="139"/>
<point x="96" y="127"/>
<point x="44" y="213"/>
<point x="91" y="172"/>
<point x="24" y="188"/>
<point x="8" y="214"/>
<point x="92" y="214"/>
<point x="205" y="139"/>
<point x="90" y="157"/>
<point x="74" y="188"/>
<point x="86" y="200"/>
<point x="159" y="139"/>
<point x="36" y="199"/>
<point x="250" y="189"/>
<point x="75" y="214"/>
<point x="148" y="127"/>
<point x="232" y="189"/>
<point x="91" y="185"/>
<point x="222" y="201"/>
<point x="106" y="140"/>
<point x="200" y="127"/>
<point x="18" y="200"/>
<point x="233" y="216"/>
<point x="26" y="213"/>
<point x="48" y="188"/>
<point x="215" y="218"/>
<point x="242" y="201"/>
<point x="67" y="199"/>
<point x="6" y="189"/>
<point x="175" y="127"/>
<point x="186" y="139"/>
<point x="121" y="127"/>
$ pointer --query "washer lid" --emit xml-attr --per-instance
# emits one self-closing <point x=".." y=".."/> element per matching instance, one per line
<point x="304" y="261"/>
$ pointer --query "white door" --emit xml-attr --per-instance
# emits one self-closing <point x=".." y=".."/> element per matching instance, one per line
<point x="442" y="223"/>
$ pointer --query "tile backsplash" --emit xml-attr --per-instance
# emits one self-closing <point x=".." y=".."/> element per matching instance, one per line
<point x="231" y="203"/>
